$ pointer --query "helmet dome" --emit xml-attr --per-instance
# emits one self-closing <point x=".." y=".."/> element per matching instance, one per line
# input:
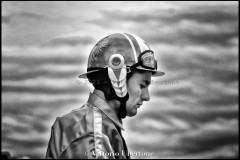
<point x="129" y="46"/>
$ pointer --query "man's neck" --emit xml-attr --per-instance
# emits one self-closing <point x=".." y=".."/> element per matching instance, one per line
<point x="115" y="104"/>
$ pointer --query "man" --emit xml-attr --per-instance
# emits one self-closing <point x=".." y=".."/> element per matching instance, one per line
<point x="120" y="67"/>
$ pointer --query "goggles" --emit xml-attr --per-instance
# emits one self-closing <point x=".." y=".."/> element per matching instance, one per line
<point x="146" y="60"/>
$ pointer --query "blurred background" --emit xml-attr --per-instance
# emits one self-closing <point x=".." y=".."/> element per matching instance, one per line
<point x="193" y="111"/>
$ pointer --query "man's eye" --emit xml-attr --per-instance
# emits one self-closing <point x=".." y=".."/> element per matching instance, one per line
<point x="142" y="86"/>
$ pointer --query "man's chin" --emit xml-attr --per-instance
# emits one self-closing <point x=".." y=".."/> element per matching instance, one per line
<point x="132" y="113"/>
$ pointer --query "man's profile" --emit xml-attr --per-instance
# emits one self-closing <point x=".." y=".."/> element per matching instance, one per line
<point x="120" y="67"/>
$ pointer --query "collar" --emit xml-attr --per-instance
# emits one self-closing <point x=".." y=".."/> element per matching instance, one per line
<point x="101" y="104"/>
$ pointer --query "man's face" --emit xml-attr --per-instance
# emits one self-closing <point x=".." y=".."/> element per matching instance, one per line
<point x="137" y="87"/>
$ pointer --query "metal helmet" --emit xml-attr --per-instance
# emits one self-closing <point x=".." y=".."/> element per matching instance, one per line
<point x="119" y="53"/>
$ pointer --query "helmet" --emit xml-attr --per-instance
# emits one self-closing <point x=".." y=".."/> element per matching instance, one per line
<point x="120" y="53"/>
<point x="130" y="46"/>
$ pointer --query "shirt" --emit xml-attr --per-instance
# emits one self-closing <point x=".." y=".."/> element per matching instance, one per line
<point x="92" y="131"/>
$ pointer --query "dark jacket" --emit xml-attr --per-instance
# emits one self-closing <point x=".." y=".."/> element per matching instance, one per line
<point x="92" y="131"/>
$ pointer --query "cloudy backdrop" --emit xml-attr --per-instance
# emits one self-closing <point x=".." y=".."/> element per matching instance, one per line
<point x="193" y="112"/>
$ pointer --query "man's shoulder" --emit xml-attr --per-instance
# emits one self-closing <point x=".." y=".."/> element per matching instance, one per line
<point x="75" y="121"/>
<point x="72" y="126"/>
<point x="75" y="114"/>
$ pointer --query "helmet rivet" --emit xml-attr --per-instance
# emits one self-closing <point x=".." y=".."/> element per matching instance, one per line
<point x="116" y="61"/>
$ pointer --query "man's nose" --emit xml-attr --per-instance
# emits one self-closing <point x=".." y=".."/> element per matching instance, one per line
<point x="145" y="95"/>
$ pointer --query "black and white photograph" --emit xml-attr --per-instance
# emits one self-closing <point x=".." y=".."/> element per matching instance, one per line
<point x="120" y="80"/>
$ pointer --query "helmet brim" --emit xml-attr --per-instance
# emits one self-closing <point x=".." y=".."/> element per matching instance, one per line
<point x="84" y="75"/>
<point x="155" y="73"/>
<point x="158" y="73"/>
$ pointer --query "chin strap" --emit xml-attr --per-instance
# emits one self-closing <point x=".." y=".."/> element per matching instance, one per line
<point x="117" y="73"/>
<point x="118" y="81"/>
<point x="122" y="111"/>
